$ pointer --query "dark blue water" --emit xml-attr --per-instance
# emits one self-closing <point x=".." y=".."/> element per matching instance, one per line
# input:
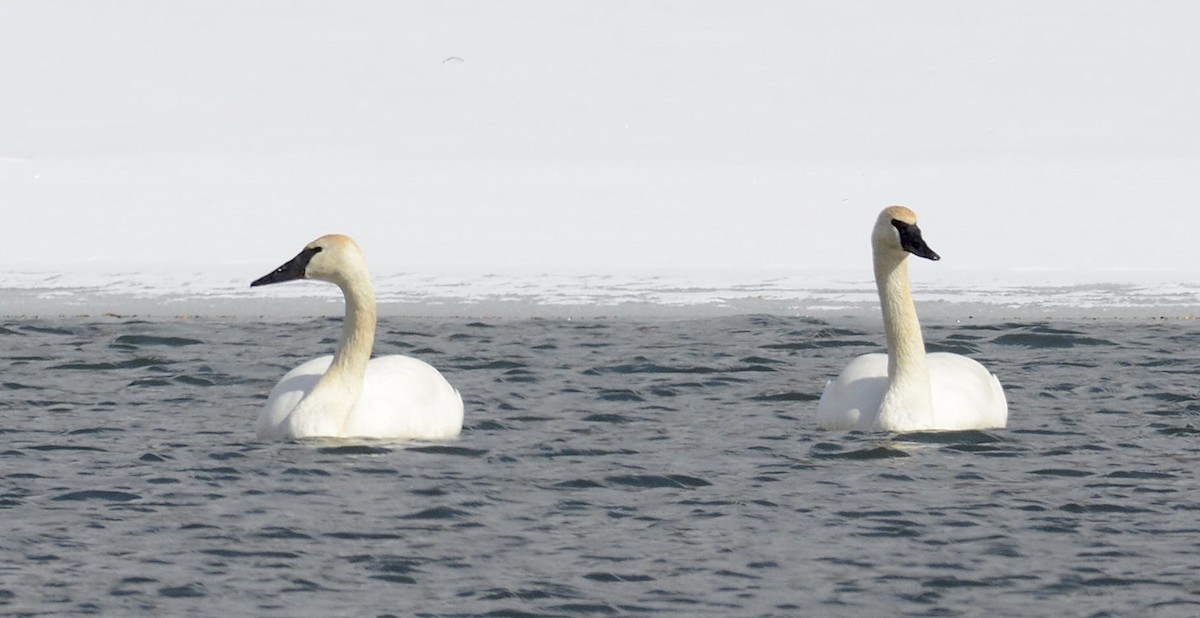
<point x="608" y="467"/>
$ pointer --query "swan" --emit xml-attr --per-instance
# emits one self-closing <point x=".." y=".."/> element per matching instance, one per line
<point x="908" y="389"/>
<point x="349" y="394"/>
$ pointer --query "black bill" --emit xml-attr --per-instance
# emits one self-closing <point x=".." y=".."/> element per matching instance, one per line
<point x="911" y="241"/>
<point x="291" y="271"/>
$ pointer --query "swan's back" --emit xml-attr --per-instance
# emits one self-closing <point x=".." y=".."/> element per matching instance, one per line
<point x="965" y="396"/>
<point x="405" y="397"/>
<point x="402" y="398"/>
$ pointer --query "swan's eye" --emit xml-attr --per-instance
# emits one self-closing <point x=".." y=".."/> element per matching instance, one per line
<point x="306" y="256"/>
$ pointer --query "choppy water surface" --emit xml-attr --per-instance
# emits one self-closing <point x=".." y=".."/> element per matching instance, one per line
<point x="608" y="467"/>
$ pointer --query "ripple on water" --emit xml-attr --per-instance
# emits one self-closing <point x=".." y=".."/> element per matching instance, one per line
<point x="828" y="450"/>
<point x="1043" y="337"/>
<point x="437" y="512"/>
<point x="136" y="341"/>
<point x="133" y="363"/>
<point x="657" y="481"/>
<point x="97" y="494"/>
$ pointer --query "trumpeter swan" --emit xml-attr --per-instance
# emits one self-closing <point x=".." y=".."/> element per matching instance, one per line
<point x="908" y="389"/>
<point x="350" y="394"/>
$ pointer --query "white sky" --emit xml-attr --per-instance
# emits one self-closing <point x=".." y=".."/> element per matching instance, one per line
<point x="601" y="135"/>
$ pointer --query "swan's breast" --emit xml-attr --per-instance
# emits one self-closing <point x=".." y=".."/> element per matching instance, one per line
<point x="287" y="394"/>
<point x="851" y="401"/>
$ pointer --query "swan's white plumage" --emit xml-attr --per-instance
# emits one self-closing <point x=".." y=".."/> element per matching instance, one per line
<point x="965" y="395"/>
<point x="392" y="383"/>
<point x="350" y="394"/>
<point x="908" y="389"/>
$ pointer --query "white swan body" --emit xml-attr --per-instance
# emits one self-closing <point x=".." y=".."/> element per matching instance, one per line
<point x="349" y="394"/>
<point x="908" y="389"/>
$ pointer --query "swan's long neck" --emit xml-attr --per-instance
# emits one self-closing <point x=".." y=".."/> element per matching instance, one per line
<point x="358" y="330"/>
<point x="909" y="391"/>
<point x="325" y="410"/>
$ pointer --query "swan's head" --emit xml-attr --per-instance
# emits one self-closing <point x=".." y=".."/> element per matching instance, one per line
<point x="896" y="232"/>
<point x="334" y="258"/>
